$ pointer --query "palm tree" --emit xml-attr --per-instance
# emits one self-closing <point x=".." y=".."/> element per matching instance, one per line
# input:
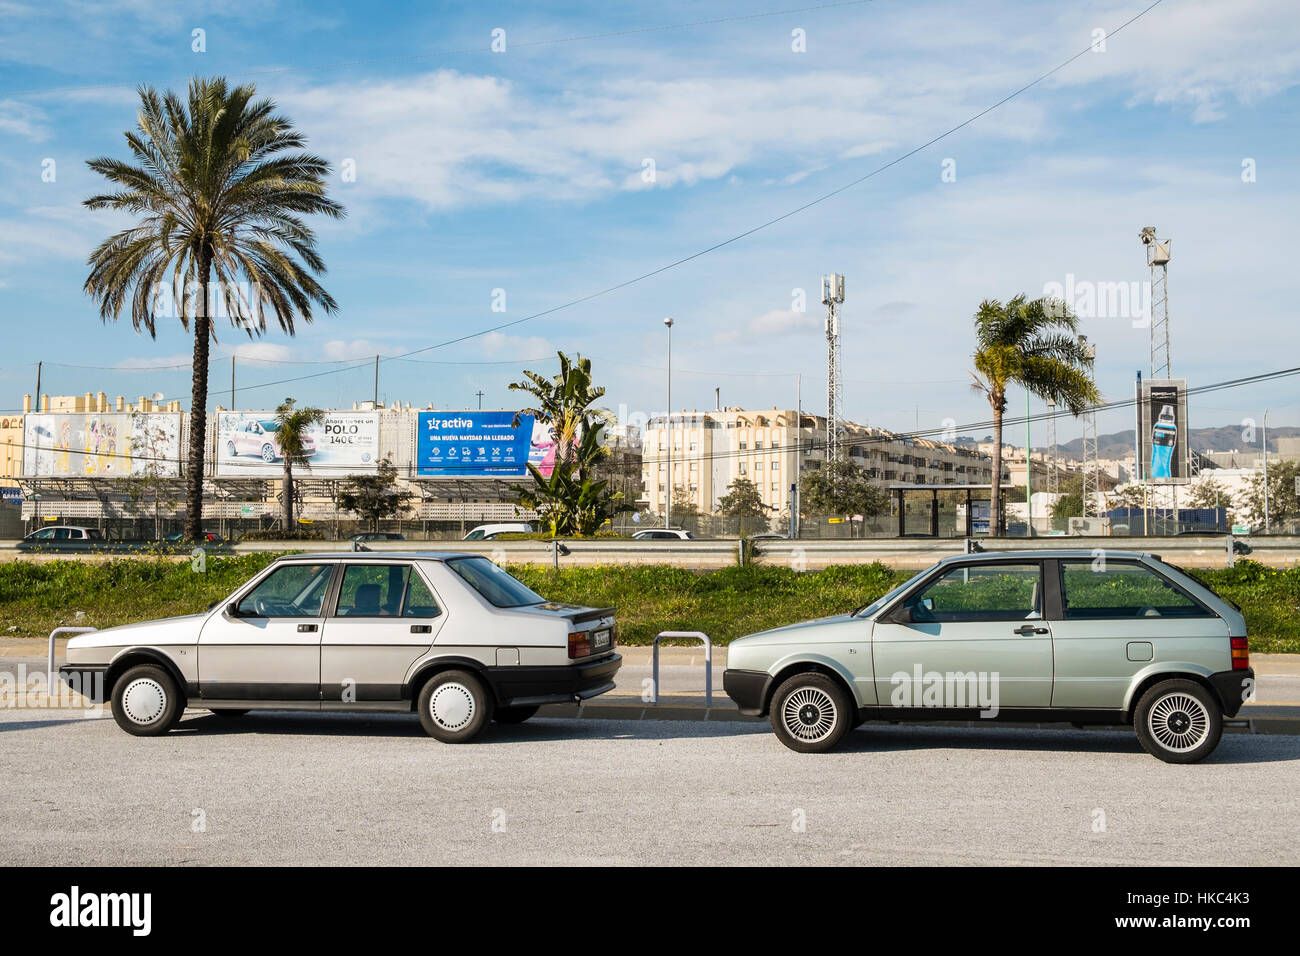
<point x="291" y="428"/>
<point x="1034" y="345"/>
<point x="222" y="190"/>
<point x="563" y="402"/>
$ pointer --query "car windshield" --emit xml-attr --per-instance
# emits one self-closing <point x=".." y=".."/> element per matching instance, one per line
<point x="879" y="602"/>
<point x="496" y="585"/>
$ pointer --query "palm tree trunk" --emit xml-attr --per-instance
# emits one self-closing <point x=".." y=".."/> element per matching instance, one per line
<point x="286" y="493"/>
<point x="995" y="497"/>
<point x="198" y="404"/>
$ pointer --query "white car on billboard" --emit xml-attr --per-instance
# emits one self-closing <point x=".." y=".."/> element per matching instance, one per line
<point x="257" y="437"/>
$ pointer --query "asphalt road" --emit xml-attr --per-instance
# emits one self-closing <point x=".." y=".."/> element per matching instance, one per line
<point x="340" y="790"/>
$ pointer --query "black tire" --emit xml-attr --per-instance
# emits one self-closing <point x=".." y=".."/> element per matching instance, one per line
<point x="513" y="715"/>
<point x="1178" y="721"/>
<point x="820" y="713"/>
<point x="227" y="712"/>
<point x="464" y="707"/>
<point x="146" y="701"/>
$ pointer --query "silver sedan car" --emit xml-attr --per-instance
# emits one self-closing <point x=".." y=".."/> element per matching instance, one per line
<point x="450" y="636"/>
<point x="1087" y="637"/>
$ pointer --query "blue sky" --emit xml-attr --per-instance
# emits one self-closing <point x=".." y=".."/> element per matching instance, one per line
<point x="522" y="171"/>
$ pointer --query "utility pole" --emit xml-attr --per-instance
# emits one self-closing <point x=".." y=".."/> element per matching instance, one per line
<point x="479" y="393"/>
<point x="232" y="383"/>
<point x="376" y="382"/>
<point x="1091" y="465"/>
<point x="37" y="406"/>
<point x="668" y="426"/>
<point x="1266" y="516"/>
<point x="1029" y="473"/>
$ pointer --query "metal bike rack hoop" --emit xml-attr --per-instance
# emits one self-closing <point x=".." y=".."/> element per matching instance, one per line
<point x="708" y="663"/>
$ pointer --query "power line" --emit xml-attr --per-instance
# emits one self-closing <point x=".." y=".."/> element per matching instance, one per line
<point x="739" y="236"/>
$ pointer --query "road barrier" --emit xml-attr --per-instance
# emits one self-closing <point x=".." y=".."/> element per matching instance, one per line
<point x="49" y="671"/>
<point x="708" y="664"/>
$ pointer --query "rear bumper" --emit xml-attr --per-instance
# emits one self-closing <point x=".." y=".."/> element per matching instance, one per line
<point x="532" y="686"/>
<point x="1232" y="688"/>
<point x="748" y="689"/>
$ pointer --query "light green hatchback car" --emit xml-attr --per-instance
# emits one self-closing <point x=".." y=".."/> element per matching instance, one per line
<point x="1082" y="636"/>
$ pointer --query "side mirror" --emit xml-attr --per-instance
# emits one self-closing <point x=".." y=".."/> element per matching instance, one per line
<point x="233" y="609"/>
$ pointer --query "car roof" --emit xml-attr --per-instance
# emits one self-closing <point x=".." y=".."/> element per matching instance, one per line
<point x="379" y="555"/>
<point x="1034" y="554"/>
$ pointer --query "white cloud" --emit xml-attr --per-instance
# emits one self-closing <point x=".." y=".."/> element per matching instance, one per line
<point x="269" y="352"/>
<point x="345" y="350"/>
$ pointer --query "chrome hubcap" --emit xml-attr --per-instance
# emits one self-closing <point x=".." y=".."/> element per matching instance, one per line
<point x="452" y="706"/>
<point x="144" y="701"/>
<point x="1179" y="722"/>
<point x="809" y="714"/>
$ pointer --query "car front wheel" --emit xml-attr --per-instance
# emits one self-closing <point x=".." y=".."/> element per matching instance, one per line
<point x="811" y="713"/>
<point x="454" y="707"/>
<point x="1178" y="721"/>
<point x="146" y="701"/>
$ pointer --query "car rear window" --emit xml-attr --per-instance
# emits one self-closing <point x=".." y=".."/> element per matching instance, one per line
<point x="496" y="585"/>
<point x="1105" y="590"/>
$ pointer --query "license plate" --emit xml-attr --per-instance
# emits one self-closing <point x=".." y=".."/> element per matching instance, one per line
<point x="601" y="639"/>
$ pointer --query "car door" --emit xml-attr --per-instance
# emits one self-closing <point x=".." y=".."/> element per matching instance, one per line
<point x="265" y="646"/>
<point x="1117" y="617"/>
<point x="384" y="619"/>
<point x="972" y="636"/>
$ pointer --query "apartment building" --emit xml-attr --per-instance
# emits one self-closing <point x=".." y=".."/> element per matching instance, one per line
<point x="773" y="447"/>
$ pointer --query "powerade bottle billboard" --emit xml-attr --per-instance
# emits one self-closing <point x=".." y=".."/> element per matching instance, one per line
<point x="1164" y="439"/>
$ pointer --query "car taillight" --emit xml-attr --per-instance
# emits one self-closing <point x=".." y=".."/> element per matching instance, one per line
<point x="1240" y="654"/>
<point x="579" y="644"/>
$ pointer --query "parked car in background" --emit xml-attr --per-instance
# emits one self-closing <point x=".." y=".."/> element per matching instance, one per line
<point x="663" y="534"/>
<point x="209" y="537"/>
<point x="258" y="438"/>
<point x="486" y="532"/>
<point x="450" y="636"/>
<point x="61" y="534"/>
<point x="1100" y="637"/>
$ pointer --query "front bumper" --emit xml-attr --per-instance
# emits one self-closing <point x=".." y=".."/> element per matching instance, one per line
<point x="526" y="686"/>
<point x="1233" y="687"/>
<point x="748" y="689"/>
<point x="85" y="679"/>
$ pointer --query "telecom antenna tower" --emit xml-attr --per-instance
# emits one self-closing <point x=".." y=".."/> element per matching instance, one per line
<point x="832" y="298"/>
<point x="1091" y="465"/>
<point x="1162" y="365"/>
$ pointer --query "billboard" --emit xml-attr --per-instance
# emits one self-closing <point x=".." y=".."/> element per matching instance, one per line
<point x="479" y="444"/>
<point x="1163" y="450"/>
<point x="101" y="444"/>
<point x="343" y="443"/>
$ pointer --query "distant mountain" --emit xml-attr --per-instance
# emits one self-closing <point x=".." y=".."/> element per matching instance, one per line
<point x="1223" y="438"/>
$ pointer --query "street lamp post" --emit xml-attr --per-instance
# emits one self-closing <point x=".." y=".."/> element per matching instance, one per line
<point x="1266" y="515"/>
<point x="668" y="424"/>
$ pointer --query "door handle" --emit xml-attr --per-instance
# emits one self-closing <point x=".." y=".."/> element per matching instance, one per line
<point x="421" y="628"/>
<point x="306" y="628"/>
<point x="1030" y="629"/>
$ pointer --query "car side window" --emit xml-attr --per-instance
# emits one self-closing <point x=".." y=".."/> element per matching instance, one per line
<point x="420" y="601"/>
<point x="1110" y="590"/>
<point x="372" y="590"/>
<point x="974" y="593"/>
<point x="295" y="590"/>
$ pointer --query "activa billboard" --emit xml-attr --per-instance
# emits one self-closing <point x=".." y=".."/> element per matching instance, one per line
<point x="479" y="444"/>
<point x="1162" y="431"/>
<point x="344" y="443"/>
<point x="101" y="444"/>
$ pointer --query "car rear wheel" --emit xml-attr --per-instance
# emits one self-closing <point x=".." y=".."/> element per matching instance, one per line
<point x="1178" y="721"/>
<point x="811" y="713"/>
<point x="513" y="715"/>
<point x="454" y="707"/>
<point x="268" y="453"/>
<point x="230" y="449"/>
<point x="146" y="701"/>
